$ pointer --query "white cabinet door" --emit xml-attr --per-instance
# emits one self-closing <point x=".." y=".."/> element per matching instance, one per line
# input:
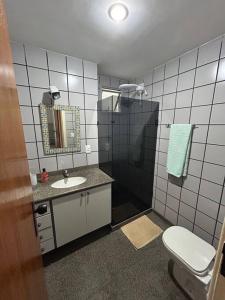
<point x="98" y="207"/>
<point x="70" y="218"/>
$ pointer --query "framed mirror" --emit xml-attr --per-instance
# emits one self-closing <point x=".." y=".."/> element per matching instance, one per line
<point x="60" y="126"/>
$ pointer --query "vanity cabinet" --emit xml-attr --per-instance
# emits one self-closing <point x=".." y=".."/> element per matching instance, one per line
<point x="80" y="213"/>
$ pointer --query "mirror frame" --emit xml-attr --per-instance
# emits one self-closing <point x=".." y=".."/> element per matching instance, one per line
<point x="45" y="132"/>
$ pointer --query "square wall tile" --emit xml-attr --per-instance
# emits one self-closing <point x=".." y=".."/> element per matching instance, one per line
<point x="38" y="77"/>
<point x="34" y="166"/>
<point x="38" y="133"/>
<point x="56" y="61"/>
<point x="205" y="222"/>
<point x="188" y="60"/>
<point x="36" y="57"/>
<point x="195" y="167"/>
<point x="91" y="86"/>
<point x="91" y="131"/>
<point x="200" y="115"/>
<point x="184" y="99"/>
<point x="162" y="159"/>
<point x="163" y="145"/>
<point x="161" y="184"/>
<point x="187" y="211"/>
<point x="18" y="53"/>
<point x="221" y="72"/>
<point x="210" y="190"/>
<point x="172" y="68"/>
<point x="191" y="183"/>
<point x="38" y="95"/>
<point x="64" y="98"/>
<point x="29" y="133"/>
<point x="74" y="66"/>
<point x="75" y="84"/>
<point x="65" y="161"/>
<point x="94" y="144"/>
<point x="158" y="73"/>
<point x="203" y="95"/>
<point x="23" y="95"/>
<point x="186" y="80"/>
<point x="189" y="197"/>
<point x="215" y="154"/>
<point x="203" y="234"/>
<point x="182" y="115"/>
<point x="174" y="190"/>
<point x="167" y="116"/>
<point x="169" y="101"/>
<point x="197" y="151"/>
<point x="90" y="69"/>
<point x="170" y="85"/>
<point x="218" y="229"/>
<point x="185" y="223"/>
<point x="172" y="203"/>
<point x="219" y="96"/>
<point x="160" y="195"/>
<point x="31" y="150"/>
<point x="105" y="81"/>
<point x="157" y="89"/>
<point x="216" y="134"/>
<point x="26" y="114"/>
<point x="59" y="80"/>
<point x="91" y="116"/>
<point x="218" y="112"/>
<point x="223" y="48"/>
<point x="92" y="158"/>
<point x="159" y="208"/>
<point x="36" y="113"/>
<point x="208" y="207"/>
<point x="171" y="216"/>
<point x="49" y="163"/>
<point x="209" y="52"/>
<point x="76" y="99"/>
<point x="21" y="75"/>
<point x="91" y="102"/>
<point x="200" y="134"/>
<point x="79" y="160"/>
<point x="206" y="74"/>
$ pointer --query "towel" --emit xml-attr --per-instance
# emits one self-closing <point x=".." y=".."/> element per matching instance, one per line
<point x="179" y="149"/>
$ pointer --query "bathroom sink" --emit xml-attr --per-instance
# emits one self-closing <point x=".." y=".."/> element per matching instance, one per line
<point x="68" y="182"/>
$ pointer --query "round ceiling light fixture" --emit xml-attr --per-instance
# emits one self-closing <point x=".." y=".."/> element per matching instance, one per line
<point x="118" y="12"/>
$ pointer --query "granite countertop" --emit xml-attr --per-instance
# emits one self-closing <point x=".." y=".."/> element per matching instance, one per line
<point x="95" y="177"/>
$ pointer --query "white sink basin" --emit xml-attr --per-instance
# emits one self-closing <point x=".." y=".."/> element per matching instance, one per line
<point x="68" y="182"/>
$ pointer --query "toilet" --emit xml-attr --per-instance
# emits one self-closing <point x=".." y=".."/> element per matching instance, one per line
<point x="191" y="262"/>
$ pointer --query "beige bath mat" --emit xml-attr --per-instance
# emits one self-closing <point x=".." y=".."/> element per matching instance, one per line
<point x="141" y="231"/>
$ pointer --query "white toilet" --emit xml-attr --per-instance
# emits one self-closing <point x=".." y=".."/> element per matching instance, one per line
<point x="191" y="261"/>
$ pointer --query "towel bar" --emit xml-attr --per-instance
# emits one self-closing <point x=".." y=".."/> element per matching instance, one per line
<point x="168" y="126"/>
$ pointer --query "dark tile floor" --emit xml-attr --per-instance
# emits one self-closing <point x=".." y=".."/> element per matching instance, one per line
<point x="110" y="268"/>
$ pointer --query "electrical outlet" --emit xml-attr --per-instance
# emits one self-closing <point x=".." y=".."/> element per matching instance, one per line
<point x="88" y="148"/>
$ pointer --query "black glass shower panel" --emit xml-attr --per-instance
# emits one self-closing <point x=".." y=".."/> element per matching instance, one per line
<point x="127" y="131"/>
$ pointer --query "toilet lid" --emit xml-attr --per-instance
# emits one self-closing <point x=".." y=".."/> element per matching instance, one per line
<point x="189" y="248"/>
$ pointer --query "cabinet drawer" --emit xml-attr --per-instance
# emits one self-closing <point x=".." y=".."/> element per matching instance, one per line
<point x="47" y="246"/>
<point x="45" y="234"/>
<point x="42" y="203"/>
<point x="44" y="222"/>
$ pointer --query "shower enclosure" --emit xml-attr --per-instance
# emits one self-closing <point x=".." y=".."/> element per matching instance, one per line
<point x="127" y="130"/>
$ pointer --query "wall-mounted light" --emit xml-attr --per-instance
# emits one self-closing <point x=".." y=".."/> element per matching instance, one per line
<point x="118" y="12"/>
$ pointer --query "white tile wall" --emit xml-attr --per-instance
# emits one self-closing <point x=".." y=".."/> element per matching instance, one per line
<point x="194" y="92"/>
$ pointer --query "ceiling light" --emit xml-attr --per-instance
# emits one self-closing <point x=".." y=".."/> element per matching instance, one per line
<point x="118" y="12"/>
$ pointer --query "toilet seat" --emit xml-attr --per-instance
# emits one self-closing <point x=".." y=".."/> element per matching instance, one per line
<point x="189" y="249"/>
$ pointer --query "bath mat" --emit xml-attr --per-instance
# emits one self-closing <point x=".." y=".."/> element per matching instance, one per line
<point x="141" y="231"/>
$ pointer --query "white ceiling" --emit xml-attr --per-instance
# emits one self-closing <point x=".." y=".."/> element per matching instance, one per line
<point x="155" y="31"/>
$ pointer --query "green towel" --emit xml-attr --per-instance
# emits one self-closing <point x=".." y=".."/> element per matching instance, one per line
<point x="179" y="148"/>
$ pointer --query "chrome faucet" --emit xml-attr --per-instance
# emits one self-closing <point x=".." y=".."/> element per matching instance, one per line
<point x="65" y="173"/>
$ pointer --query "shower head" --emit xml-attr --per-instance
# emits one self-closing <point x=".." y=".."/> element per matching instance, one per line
<point x="139" y="88"/>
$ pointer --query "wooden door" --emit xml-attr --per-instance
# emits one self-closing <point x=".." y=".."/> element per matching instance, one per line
<point x="21" y="270"/>
<point x="69" y="217"/>
<point x="217" y="286"/>
<point x="98" y="207"/>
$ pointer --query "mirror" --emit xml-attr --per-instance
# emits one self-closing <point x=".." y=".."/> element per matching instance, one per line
<point x="60" y="128"/>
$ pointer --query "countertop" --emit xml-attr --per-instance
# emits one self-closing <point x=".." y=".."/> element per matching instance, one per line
<point x="95" y="177"/>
